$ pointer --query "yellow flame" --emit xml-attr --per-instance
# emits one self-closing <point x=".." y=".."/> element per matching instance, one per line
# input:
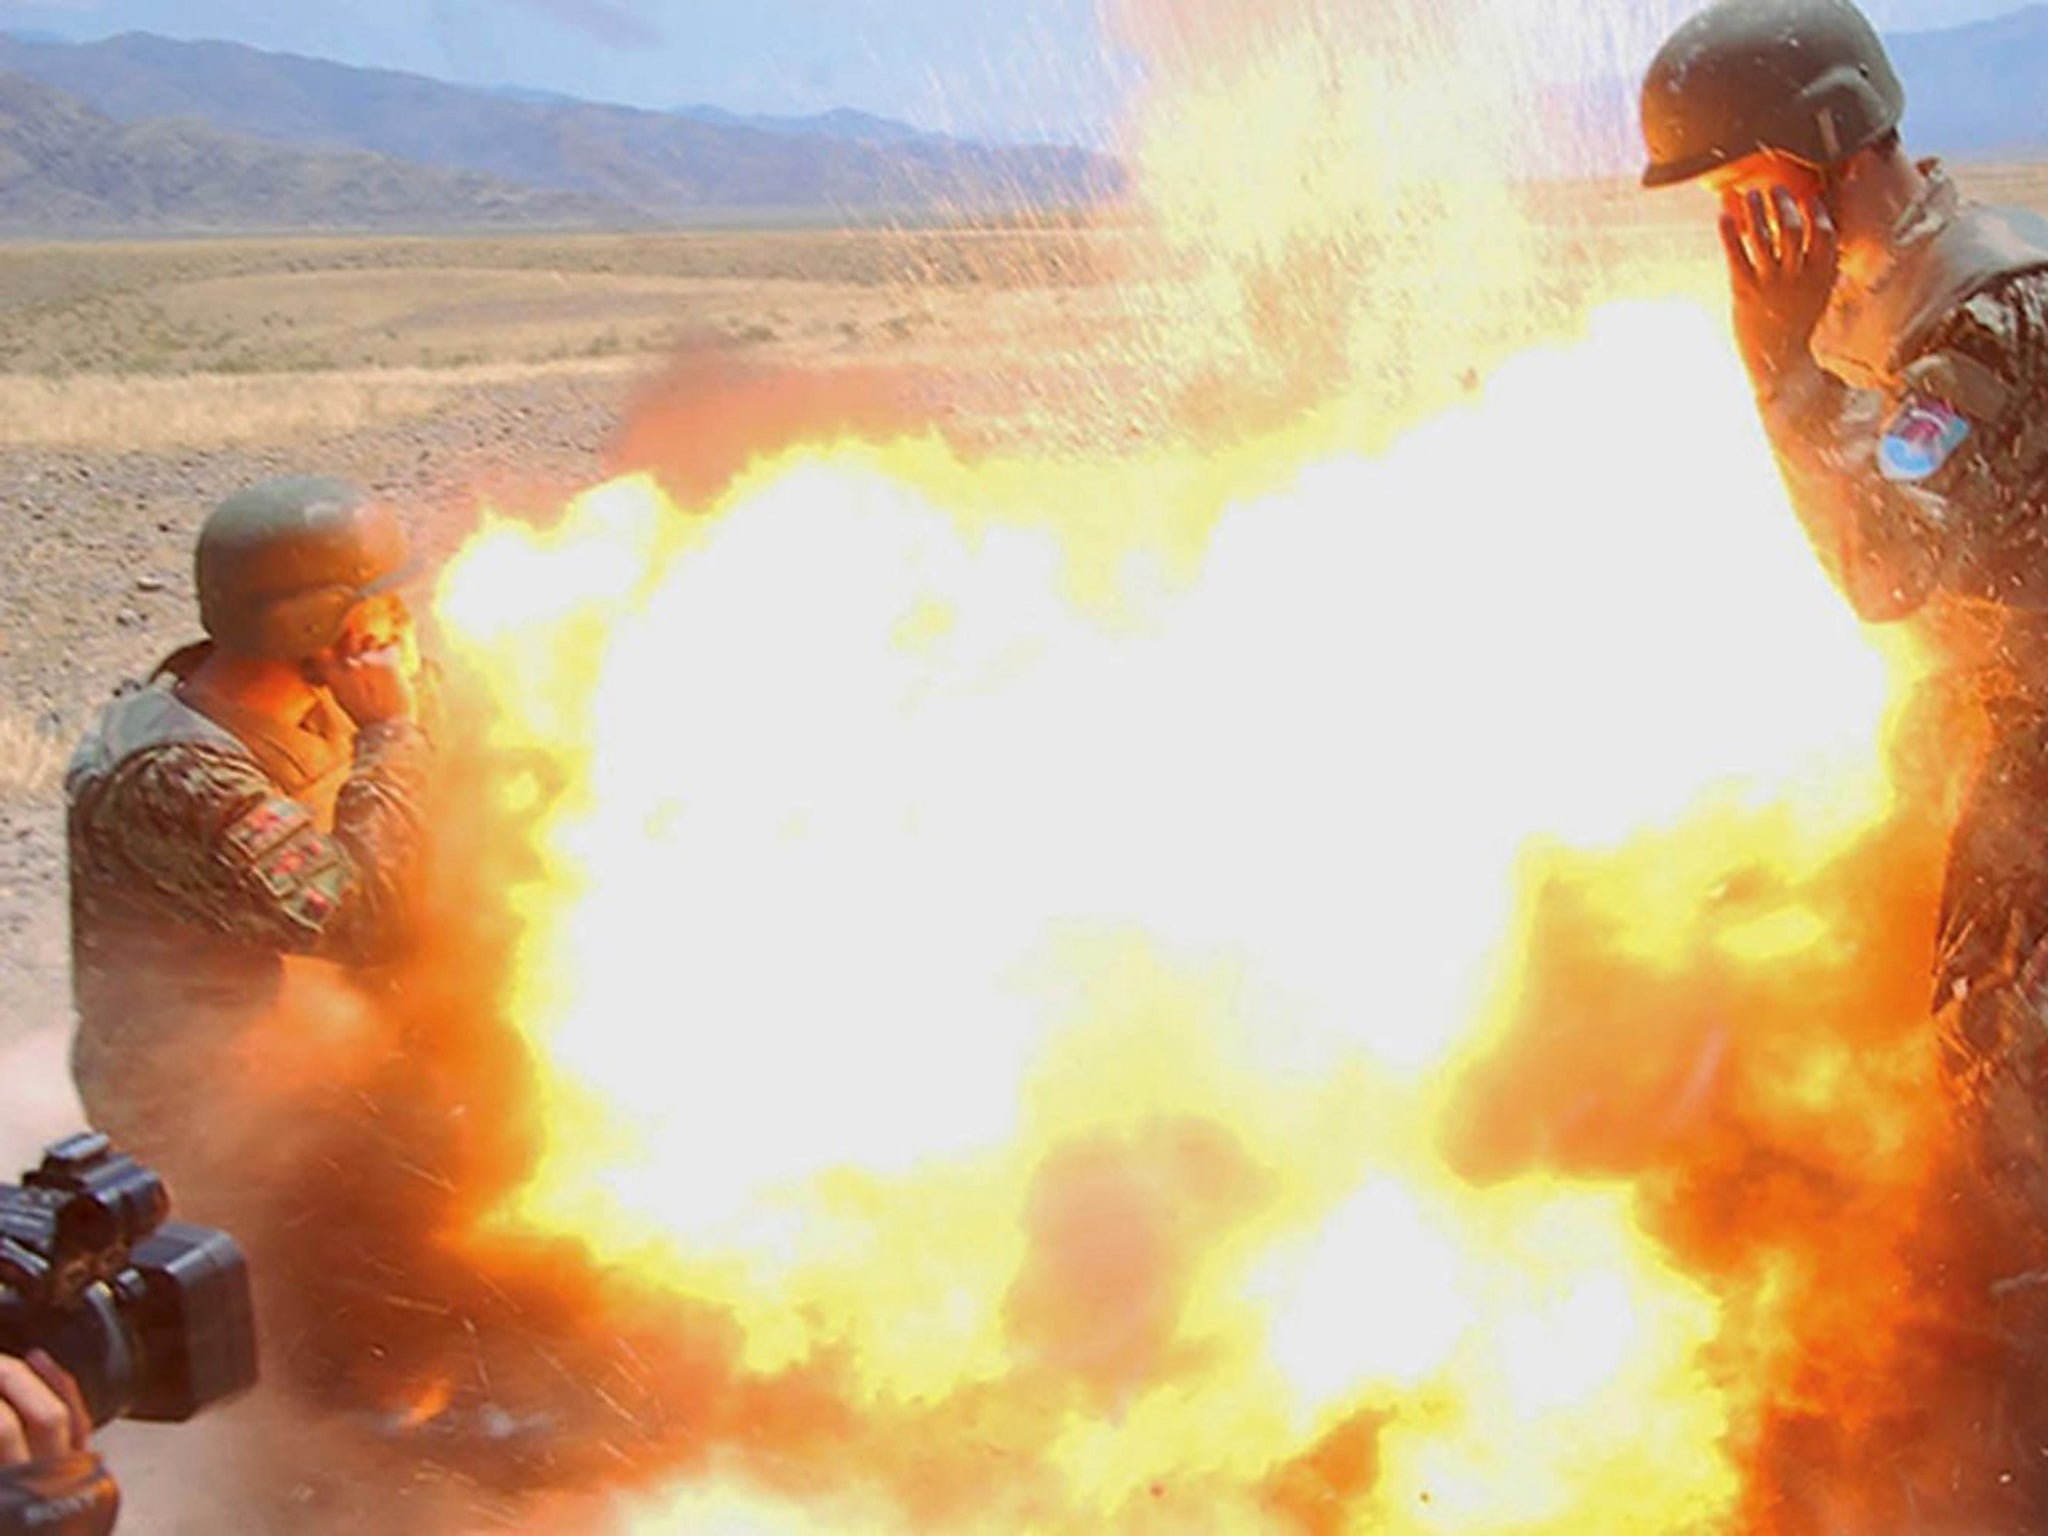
<point x="887" y="868"/>
<point x="1014" y="926"/>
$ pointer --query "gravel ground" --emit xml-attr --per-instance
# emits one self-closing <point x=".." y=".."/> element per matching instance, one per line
<point x="95" y="587"/>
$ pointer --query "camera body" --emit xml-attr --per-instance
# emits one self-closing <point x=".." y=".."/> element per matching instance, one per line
<point x="152" y="1317"/>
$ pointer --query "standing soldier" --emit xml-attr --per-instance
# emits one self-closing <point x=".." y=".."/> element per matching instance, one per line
<point x="1897" y="338"/>
<point x="257" y="798"/>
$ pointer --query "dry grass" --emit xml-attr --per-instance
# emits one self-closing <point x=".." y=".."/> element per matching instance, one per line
<point x="213" y="410"/>
<point x="171" y="344"/>
<point x="2025" y="183"/>
<point x="203" y="343"/>
<point x="267" y="306"/>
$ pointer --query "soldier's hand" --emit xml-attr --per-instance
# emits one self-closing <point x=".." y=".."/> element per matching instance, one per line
<point x="371" y="686"/>
<point x="42" y="1414"/>
<point x="1782" y="259"/>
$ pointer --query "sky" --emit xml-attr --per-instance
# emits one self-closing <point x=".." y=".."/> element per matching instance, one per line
<point x="1004" y="68"/>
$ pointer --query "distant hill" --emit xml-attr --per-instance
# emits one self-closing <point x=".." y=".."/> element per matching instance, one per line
<point x="66" y="169"/>
<point x="840" y="123"/>
<point x="213" y="134"/>
<point x="1978" y="91"/>
<point x="663" y="164"/>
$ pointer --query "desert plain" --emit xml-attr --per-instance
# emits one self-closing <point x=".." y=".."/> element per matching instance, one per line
<point x="141" y="381"/>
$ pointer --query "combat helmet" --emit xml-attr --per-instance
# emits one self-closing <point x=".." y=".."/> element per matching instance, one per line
<point x="1807" y="78"/>
<point x="279" y="565"/>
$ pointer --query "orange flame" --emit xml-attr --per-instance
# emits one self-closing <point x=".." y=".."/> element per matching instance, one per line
<point x="1043" y="977"/>
<point x="1314" y="977"/>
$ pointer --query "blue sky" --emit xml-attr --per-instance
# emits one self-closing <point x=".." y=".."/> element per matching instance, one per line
<point x="1017" y="68"/>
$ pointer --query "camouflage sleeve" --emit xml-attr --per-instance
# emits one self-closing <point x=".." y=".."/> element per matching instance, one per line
<point x="1904" y="496"/>
<point x="1881" y="548"/>
<point x="1987" y="368"/>
<point x="207" y="833"/>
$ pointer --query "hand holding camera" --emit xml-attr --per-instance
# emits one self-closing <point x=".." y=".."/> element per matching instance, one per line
<point x="42" y="1414"/>
<point x="106" y="1310"/>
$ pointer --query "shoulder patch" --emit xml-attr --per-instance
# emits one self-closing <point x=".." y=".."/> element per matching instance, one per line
<point x="286" y="869"/>
<point x="312" y="893"/>
<point x="1922" y="435"/>
<point x="279" y="846"/>
<point x="263" y="828"/>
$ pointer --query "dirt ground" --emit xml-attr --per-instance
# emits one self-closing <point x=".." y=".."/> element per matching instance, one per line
<point x="140" y="383"/>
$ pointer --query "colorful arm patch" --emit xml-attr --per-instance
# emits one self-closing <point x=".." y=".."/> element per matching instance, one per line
<point x="278" y="843"/>
<point x="1922" y="436"/>
<point x="264" y="827"/>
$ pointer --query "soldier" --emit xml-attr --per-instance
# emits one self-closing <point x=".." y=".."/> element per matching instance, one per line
<point x="257" y="798"/>
<point x="1897" y="338"/>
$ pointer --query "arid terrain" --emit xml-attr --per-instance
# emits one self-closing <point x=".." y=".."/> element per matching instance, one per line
<point x="140" y="382"/>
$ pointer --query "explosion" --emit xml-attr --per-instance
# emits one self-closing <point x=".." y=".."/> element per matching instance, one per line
<point x="1033" y="1006"/>
<point x="1319" y="972"/>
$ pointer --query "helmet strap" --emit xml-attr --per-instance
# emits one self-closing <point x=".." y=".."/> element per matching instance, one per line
<point x="1830" y="135"/>
<point x="1834" y="178"/>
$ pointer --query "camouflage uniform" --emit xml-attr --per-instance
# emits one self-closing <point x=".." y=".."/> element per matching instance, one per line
<point x="1918" y="462"/>
<point x="200" y="857"/>
<point x="1919" y="465"/>
<point x="1917" y="457"/>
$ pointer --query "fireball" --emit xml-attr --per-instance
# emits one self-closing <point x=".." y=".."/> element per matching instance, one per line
<point x="1278" y="979"/>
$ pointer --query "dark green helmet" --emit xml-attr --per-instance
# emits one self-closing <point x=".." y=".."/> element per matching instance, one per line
<point x="1806" y="78"/>
<point x="280" y="565"/>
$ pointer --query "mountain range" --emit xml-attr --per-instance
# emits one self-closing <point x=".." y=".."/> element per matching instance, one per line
<point x="1978" y="91"/>
<point x="68" y="170"/>
<point x="140" y="132"/>
<point x="643" y="164"/>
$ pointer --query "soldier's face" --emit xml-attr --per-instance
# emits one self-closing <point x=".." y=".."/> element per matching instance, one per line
<point x="378" y="623"/>
<point x="1733" y="183"/>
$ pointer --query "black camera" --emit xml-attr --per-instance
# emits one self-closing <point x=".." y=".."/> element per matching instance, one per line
<point x="151" y="1317"/>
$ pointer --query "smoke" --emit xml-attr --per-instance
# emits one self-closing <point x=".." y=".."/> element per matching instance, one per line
<point x="615" y="25"/>
<point x="711" y="414"/>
